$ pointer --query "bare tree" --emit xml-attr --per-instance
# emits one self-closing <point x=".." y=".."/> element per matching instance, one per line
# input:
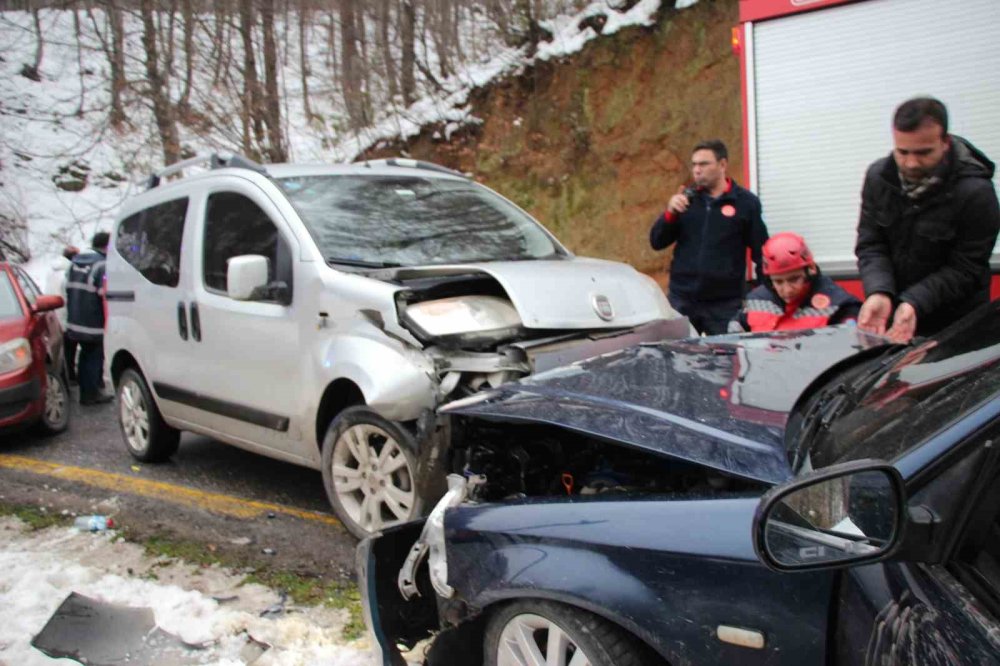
<point x="408" y="25"/>
<point x="350" y="78"/>
<point x="275" y="148"/>
<point x="159" y="86"/>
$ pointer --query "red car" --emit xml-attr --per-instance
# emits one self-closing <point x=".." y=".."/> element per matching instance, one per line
<point x="33" y="386"/>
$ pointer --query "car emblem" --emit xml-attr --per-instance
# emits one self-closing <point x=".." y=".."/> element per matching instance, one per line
<point x="602" y="306"/>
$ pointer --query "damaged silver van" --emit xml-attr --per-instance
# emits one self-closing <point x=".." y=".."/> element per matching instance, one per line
<point x="319" y="314"/>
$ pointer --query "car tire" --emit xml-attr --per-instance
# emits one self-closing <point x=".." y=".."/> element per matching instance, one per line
<point x="520" y="632"/>
<point x="146" y="435"/>
<point x="55" y="413"/>
<point x="369" y="471"/>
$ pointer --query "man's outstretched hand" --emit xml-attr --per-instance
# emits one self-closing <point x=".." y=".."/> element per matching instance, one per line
<point x="904" y="324"/>
<point x="874" y="315"/>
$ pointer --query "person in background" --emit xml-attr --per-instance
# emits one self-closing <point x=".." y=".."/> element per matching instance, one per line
<point x="55" y="283"/>
<point x="85" y="317"/>
<point x="713" y="223"/>
<point x="929" y="221"/>
<point x="795" y="294"/>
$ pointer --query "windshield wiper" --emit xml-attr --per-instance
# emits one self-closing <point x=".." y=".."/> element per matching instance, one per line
<point x="835" y="400"/>
<point x="360" y="262"/>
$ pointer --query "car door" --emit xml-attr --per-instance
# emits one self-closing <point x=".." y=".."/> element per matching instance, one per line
<point x="247" y="354"/>
<point x="910" y="612"/>
<point x="46" y="323"/>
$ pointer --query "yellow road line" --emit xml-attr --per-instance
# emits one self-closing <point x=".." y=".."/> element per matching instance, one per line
<point x="199" y="499"/>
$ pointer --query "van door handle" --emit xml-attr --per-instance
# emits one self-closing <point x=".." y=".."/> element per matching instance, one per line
<point x="182" y="320"/>
<point x="195" y="323"/>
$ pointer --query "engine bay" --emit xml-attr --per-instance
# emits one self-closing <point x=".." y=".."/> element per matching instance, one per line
<point x="520" y="461"/>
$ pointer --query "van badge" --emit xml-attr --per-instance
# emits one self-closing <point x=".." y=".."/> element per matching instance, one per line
<point x="602" y="306"/>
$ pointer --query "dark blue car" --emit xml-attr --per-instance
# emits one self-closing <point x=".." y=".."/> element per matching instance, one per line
<point x="806" y="497"/>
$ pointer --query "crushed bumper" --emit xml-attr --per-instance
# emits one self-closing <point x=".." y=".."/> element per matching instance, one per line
<point x="392" y="620"/>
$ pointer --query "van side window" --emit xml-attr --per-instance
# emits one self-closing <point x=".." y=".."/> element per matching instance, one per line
<point x="234" y="226"/>
<point x="150" y="241"/>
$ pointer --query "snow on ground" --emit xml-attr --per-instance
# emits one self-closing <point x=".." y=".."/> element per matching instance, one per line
<point x="38" y="570"/>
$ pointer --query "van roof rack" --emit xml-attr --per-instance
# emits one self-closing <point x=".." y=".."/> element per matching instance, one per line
<point x="214" y="161"/>
<point x="414" y="164"/>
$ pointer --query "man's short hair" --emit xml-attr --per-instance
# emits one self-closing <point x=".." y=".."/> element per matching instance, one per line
<point x="715" y="145"/>
<point x="100" y="240"/>
<point x="913" y="113"/>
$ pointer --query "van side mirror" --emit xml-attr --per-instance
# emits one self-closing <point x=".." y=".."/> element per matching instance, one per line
<point x="244" y="274"/>
<point x="837" y="516"/>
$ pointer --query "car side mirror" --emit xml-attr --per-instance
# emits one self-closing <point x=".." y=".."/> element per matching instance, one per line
<point x="244" y="274"/>
<point x="837" y="516"/>
<point x="48" y="303"/>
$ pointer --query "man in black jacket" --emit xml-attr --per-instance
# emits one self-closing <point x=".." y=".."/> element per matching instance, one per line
<point x="85" y="317"/>
<point x="713" y="222"/>
<point x="929" y="221"/>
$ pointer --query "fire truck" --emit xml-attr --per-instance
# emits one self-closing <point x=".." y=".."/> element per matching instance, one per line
<point x="820" y="81"/>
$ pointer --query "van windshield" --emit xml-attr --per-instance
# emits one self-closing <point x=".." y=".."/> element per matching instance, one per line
<point x="405" y="221"/>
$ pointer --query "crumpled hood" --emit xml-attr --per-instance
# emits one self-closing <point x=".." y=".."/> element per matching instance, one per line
<point x="564" y="293"/>
<point x="970" y="161"/>
<point x="720" y="402"/>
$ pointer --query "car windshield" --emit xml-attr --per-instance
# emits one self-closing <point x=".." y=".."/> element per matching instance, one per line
<point x="10" y="306"/>
<point x="404" y="221"/>
<point x="925" y="389"/>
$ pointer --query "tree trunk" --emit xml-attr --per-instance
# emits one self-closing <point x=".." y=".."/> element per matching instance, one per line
<point x="304" y="57"/>
<point x="408" y="21"/>
<point x="350" y="81"/>
<point x="272" y="107"/>
<point x="187" y="16"/>
<point x="252" y="102"/>
<point x="384" y="23"/>
<point x="40" y="43"/>
<point x="116" y="59"/>
<point x="159" y="91"/>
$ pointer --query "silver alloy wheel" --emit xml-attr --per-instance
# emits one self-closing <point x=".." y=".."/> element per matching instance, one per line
<point x="55" y="402"/>
<point x="372" y="477"/>
<point x="134" y="415"/>
<point x="532" y="640"/>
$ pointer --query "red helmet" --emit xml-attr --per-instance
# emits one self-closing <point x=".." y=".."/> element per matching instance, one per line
<point x="786" y="252"/>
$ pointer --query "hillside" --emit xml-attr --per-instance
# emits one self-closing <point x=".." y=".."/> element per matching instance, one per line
<point x="593" y="145"/>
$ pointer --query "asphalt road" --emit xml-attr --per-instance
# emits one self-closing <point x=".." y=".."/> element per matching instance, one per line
<point x="210" y="493"/>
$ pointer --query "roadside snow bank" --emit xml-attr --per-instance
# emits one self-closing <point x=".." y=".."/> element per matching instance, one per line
<point x="38" y="570"/>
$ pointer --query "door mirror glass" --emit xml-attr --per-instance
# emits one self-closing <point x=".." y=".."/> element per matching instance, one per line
<point x="832" y="518"/>
<point x="244" y="275"/>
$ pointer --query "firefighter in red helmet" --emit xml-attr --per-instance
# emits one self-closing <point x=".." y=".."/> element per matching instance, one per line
<point x="794" y="294"/>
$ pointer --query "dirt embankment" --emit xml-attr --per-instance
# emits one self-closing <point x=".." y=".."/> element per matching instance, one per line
<point x="594" y="145"/>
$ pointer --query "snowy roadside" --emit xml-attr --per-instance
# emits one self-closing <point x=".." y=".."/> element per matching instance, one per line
<point x="200" y="605"/>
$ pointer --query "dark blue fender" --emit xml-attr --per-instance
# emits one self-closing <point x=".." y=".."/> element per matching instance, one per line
<point x="668" y="571"/>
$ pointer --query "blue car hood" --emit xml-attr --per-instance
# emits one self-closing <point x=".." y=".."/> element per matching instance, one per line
<point x="721" y="402"/>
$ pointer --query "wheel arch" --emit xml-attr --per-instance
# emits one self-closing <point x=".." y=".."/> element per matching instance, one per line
<point x="479" y="624"/>
<point x="338" y="396"/>
<point x="122" y="361"/>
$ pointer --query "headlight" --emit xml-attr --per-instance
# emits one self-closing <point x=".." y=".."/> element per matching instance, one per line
<point x="464" y="319"/>
<point x="14" y="355"/>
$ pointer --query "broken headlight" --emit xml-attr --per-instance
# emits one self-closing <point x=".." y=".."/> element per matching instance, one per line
<point x="463" y="320"/>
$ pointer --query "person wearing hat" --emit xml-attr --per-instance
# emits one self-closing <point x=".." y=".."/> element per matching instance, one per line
<point x="794" y="295"/>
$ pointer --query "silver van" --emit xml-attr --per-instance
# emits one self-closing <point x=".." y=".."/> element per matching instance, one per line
<point x="320" y="314"/>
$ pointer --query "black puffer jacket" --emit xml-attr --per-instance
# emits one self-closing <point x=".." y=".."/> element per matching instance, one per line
<point x="712" y="237"/>
<point x="932" y="252"/>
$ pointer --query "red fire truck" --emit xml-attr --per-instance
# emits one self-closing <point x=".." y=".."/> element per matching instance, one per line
<point x="820" y="80"/>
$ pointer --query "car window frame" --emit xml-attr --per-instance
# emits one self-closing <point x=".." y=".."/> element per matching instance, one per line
<point x="142" y="215"/>
<point x="15" y="291"/>
<point x="29" y="290"/>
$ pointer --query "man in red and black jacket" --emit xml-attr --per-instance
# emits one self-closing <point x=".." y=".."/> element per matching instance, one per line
<point x="713" y="222"/>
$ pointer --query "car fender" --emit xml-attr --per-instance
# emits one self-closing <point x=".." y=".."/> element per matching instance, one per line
<point x="396" y="381"/>
<point x="672" y="573"/>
